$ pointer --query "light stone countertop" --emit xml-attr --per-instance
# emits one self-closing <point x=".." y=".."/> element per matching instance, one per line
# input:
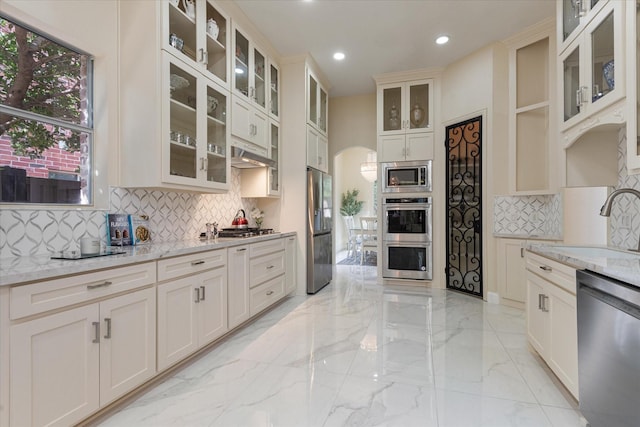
<point x="625" y="267"/>
<point x="41" y="267"/>
<point x="527" y="236"/>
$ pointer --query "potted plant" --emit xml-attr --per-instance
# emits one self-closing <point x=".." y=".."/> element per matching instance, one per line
<point x="350" y="205"/>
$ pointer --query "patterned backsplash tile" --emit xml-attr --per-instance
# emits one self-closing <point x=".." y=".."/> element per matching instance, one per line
<point x="173" y="216"/>
<point x="528" y="215"/>
<point x="624" y="223"/>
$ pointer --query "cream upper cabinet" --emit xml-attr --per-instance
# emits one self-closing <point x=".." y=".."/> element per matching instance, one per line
<point x="264" y="181"/>
<point x="175" y="97"/>
<point x="317" y="149"/>
<point x="592" y="69"/>
<point x="249" y="126"/>
<point x="405" y="107"/>
<point x="532" y="124"/>
<point x="195" y="128"/>
<point x="633" y="88"/>
<point x="249" y="80"/>
<point x="573" y="16"/>
<point x="274" y="91"/>
<point x="317" y="103"/>
<point x="196" y="32"/>
<point x="405" y="120"/>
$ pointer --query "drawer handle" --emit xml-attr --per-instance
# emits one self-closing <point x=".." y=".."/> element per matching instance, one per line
<point x="545" y="268"/>
<point x="241" y="249"/>
<point x="270" y="267"/>
<point x="96" y="326"/>
<point x="545" y="298"/>
<point x="108" y="322"/>
<point x="270" y="293"/>
<point x="101" y="285"/>
<point x="197" y="262"/>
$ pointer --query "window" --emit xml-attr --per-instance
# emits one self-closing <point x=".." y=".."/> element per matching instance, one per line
<point x="46" y="123"/>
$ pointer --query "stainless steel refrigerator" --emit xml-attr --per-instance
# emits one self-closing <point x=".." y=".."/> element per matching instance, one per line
<point x="319" y="236"/>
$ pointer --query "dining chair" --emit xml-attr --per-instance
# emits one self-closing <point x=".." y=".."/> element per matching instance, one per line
<point x="368" y="234"/>
<point x="353" y="237"/>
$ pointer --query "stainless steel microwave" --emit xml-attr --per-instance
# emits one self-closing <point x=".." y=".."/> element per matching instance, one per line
<point x="407" y="176"/>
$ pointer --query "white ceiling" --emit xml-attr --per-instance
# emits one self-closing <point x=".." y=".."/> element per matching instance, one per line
<point x="382" y="36"/>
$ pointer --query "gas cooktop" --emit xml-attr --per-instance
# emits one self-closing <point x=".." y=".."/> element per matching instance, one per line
<point x="244" y="232"/>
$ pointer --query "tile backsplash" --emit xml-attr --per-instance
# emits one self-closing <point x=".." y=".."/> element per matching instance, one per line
<point x="624" y="223"/>
<point x="173" y="216"/>
<point x="528" y="215"/>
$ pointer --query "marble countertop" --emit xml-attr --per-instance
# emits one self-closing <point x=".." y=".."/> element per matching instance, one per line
<point x="41" y="267"/>
<point x="527" y="236"/>
<point x="617" y="264"/>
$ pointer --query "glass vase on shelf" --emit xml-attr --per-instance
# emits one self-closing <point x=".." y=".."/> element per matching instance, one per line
<point x="417" y="114"/>
<point x="394" y="122"/>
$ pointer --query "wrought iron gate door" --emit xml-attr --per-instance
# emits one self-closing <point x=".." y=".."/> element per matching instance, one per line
<point x="464" y="206"/>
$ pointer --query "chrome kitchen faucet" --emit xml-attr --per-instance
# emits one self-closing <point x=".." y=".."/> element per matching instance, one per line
<point x="606" y="208"/>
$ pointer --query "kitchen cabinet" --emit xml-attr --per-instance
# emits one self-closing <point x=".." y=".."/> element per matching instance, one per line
<point x="238" y="293"/>
<point x="266" y="274"/>
<point x="290" y="249"/>
<point x="511" y="272"/>
<point x="394" y="148"/>
<point x="532" y="150"/>
<point x="592" y="69"/>
<point x="317" y="150"/>
<point x="551" y="317"/>
<point x="632" y="52"/>
<point x="274" y="91"/>
<point x="192" y="309"/>
<point x="265" y="181"/>
<point x="255" y="78"/>
<point x="194" y="39"/>
<point x="317" y="103"/>
<point x="405" y="120"/>
<point x="69" y="362"/>
<point x="573" y="16"/>
<point x="173" y="111"/>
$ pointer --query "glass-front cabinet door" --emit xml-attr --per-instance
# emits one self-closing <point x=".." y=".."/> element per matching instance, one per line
<point x="274" y="91"/>
<point x="196" y="32"/>
<point x="274" y="154"/>
<point x="575" y="15"/>
<point x="195" y="125"/>
<point x="405" y="107"/>
<point x="259" y="79"/>
<point x="249" y="72"/>
<point x="593" y="66"/>
<point x="312" y="100"/>
<point x="216" y="164"/>
<point x="241" y="65"/>
<point x="323" y="110"/>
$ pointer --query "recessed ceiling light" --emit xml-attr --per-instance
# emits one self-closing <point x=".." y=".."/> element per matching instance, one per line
<point x="338" y="56"/>
<point x="442" y="39"/>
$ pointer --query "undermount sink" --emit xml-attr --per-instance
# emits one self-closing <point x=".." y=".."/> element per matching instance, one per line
<point x="595" y="252"/>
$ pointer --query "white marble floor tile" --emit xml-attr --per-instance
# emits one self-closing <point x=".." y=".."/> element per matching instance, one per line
<point x="360" y="354"/>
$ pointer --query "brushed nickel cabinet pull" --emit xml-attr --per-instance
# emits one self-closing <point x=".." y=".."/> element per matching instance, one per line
<point x="202" y="297"/>
<point x="107" y="320"/>
<point x="545" y="268"/>
<point x="197" y="262"/>
<point x="270" y="267"/>
<point x="101" y="285"/>
<point x="241" y="250"/>
<point x="539" y="301"/>
<point x="96" y="326"/>
<point x="270" y="293"/>
<point x="197" y="295"/>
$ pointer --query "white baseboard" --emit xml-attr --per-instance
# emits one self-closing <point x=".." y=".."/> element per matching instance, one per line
<point x="493" y="298"/>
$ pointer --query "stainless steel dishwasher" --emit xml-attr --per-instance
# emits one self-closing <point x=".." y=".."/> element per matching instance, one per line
<point x="608" y="350"/>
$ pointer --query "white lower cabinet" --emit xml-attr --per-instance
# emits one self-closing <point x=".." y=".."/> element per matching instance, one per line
<point x="65" y="366"/>
<point x="238" y="293"/>
<point x="551" y="317"/>
<point x="511" y="271"/>
<point x="192" y="312"/>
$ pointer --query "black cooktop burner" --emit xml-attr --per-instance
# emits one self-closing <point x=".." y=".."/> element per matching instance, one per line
<point x="244" y="232"/>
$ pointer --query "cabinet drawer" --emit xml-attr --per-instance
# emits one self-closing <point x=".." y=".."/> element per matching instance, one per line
<point x="559" y="274"/>
<point x="266" y="268"/>
<point x="39" y="297"/>
<point x="266" y="294"/>
<point x="263" y="248"/>
<point x="189" y="264"/>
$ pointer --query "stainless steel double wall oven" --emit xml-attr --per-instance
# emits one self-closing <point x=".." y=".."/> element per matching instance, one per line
<point x="407" y="222"/>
